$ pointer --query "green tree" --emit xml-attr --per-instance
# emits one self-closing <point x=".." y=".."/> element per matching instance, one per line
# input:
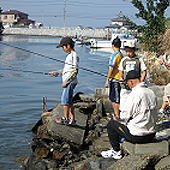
<point x="153" y="13"/>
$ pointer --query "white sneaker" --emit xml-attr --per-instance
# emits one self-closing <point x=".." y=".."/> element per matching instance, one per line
<point x="111" y="154"/>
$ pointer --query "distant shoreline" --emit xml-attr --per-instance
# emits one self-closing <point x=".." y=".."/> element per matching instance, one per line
<point x="57" y="32"/>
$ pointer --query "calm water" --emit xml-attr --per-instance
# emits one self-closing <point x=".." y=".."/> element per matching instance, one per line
<point x="22" y="87"/>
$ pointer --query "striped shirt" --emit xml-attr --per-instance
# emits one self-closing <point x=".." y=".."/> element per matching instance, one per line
<point x="114" y="62"/>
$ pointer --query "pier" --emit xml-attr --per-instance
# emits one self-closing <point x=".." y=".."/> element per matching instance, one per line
<point x="57" y="32"/>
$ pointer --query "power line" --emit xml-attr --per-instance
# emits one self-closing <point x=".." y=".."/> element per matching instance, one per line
<point x="45" y="3"/>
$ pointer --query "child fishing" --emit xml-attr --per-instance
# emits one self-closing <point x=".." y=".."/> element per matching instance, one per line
<point x="69" y="78"/>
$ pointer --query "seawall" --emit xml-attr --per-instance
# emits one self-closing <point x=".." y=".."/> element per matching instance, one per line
<point x="57" y="32"/>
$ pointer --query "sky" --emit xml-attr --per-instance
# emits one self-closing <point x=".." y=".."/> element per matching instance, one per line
<point x="94" y="13"/>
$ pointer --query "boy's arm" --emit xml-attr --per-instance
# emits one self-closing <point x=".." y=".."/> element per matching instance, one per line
<point x="121" y="75"/>
<point x="55" y="73"/>
<point x="111" y="68"/>
<point x="143" y="76"/>
<point x="72" y="76"/>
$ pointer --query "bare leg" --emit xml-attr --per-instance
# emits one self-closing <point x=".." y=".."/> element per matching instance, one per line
<point x="71" y="110"/>
<point x="66" y="111"/>
<point x="164" y="104"/>
<point x="116" y="109"/>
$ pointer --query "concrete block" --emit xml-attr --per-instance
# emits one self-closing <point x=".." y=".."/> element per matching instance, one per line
<point x="107" y="106"/>
<point x="87" y="97"/>
<point x="99" y="107"/>
<point x="163" y="164"/>
<point x="130" y="163"/>
<point x="102" y="92"/>
<point x="128" y="147"/>
<point x="159" y="148"/>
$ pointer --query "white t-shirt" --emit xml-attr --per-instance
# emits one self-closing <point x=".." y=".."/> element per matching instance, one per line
<point x="70" y="70"/>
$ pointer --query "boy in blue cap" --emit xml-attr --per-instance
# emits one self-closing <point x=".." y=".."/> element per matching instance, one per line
<point x="69" y="77"/>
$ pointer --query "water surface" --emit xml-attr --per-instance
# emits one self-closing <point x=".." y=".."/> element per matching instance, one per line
<point x="22" y="87"/>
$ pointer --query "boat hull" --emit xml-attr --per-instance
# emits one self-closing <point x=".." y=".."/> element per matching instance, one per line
<point x="108" y="43"/>
<point x="101" y="44"/>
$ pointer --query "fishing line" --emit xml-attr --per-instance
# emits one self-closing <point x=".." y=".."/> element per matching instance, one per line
<point x="25" y="71"/>
<point x="58" y="60"/>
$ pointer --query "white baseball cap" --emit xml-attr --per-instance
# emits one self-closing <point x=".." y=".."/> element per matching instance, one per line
<point x="130" y="44"/>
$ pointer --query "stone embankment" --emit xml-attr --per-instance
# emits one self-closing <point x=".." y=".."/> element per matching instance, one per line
<point x="58" y="32"/>
<point x="78" y="147"/>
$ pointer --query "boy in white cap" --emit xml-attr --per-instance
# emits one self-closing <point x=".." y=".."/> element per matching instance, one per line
<point x="128" y="63"/>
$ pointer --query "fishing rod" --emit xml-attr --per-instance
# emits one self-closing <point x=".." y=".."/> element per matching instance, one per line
<point x="25" y="71"/>
<point x="58" y="60"/>
<point x="162" y="63"/>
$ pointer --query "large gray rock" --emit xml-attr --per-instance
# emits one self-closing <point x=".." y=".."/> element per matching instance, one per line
<point x="130" y="162"/>
<point x="159" y="149"/>
<point x="93" y="163"/>
<point x="31" y="163"/>
<point x="74" y="134"/>
<point x="103" y="104"/>
<point x="163" y="164"/>
<point x="101" y="144"/>
<point x="159" y="92"/>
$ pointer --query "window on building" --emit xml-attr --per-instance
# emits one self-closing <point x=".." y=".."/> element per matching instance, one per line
<point x="12" y="16"/>
<point x="5" y="16"/>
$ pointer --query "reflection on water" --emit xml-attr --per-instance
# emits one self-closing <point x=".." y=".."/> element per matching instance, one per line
<point x="28" y="39"/>
<point x="9" y="54"/>
<point x="11" y="75"/>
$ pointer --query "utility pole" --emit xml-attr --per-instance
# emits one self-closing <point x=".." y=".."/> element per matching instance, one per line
<point x="64" y="13"/>
<point x="42" y="18"/>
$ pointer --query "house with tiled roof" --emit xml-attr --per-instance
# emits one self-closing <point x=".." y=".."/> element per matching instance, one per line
<point x="118" y="23"/>
<point x="14" y="17"/>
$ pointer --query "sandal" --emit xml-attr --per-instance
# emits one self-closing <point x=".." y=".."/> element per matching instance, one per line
<point x="62" y="121"/>
<point x="109" y="116"/>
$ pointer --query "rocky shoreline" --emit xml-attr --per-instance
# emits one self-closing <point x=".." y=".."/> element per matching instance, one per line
<point x="78" y="147"/>
<point x="159" y="74"/>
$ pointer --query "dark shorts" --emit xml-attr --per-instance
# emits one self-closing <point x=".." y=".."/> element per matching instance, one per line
<point x="114" y="94"/>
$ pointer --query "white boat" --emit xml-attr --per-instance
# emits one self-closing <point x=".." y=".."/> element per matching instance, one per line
<point x="108" y="43"/>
